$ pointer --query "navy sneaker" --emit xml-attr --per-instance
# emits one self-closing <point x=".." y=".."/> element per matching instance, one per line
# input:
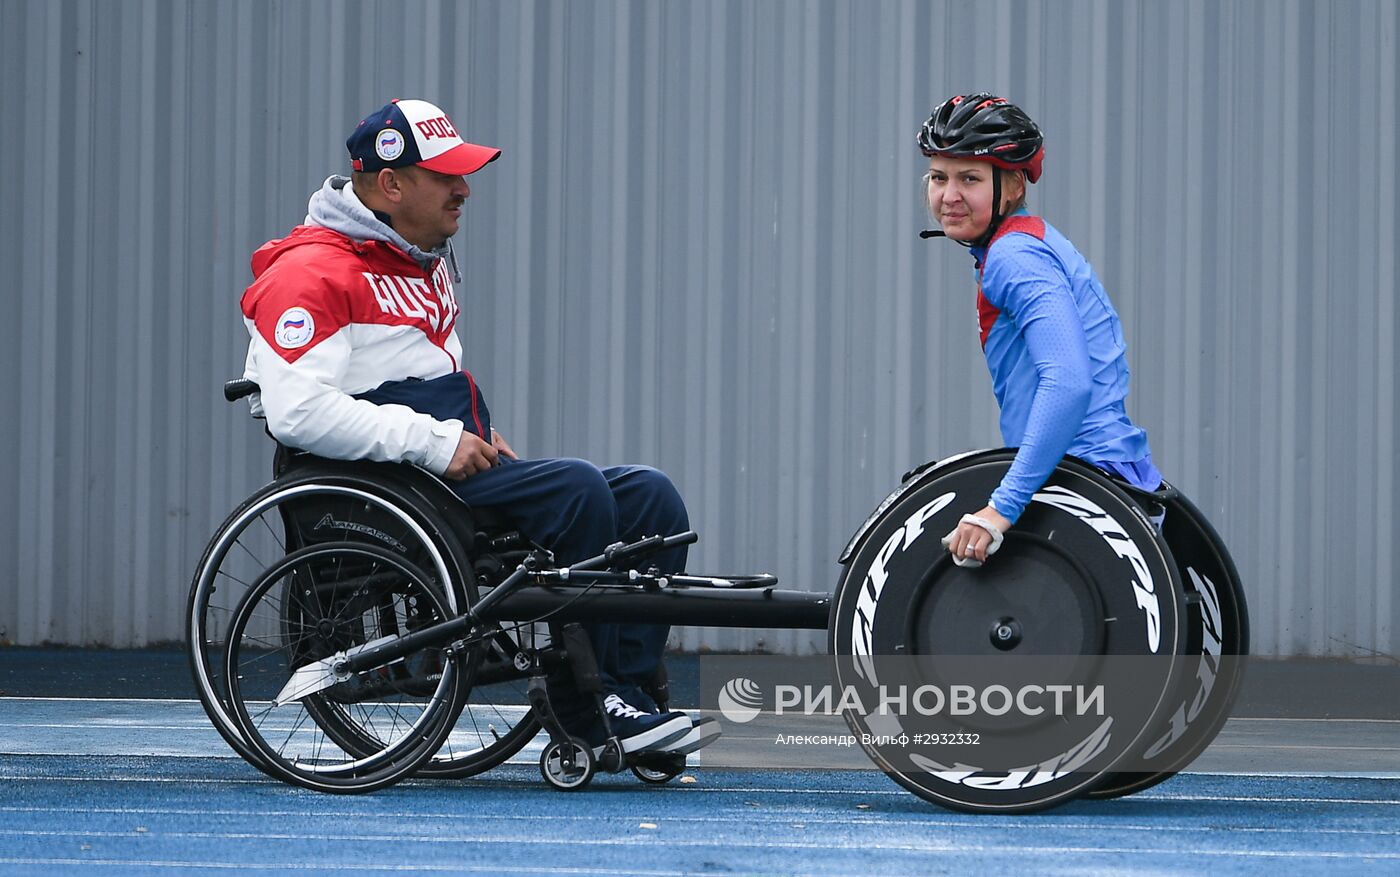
<point x="643" y="701"/>
<point x="703" y="731"/>
<point x="636" y="730"/>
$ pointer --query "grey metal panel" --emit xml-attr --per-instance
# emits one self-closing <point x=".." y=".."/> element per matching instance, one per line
<point x="698" y="252"/>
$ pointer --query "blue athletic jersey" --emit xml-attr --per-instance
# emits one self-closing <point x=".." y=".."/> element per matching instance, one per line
<point x="1055" y="349"/>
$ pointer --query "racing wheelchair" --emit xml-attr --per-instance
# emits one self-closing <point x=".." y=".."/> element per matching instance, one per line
<point x="351" y="624"/>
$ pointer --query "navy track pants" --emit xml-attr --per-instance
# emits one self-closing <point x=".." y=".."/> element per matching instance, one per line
<point x="576" y="509"/>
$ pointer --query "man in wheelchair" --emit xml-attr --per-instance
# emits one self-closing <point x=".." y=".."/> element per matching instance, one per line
<point x="352" y="318"/>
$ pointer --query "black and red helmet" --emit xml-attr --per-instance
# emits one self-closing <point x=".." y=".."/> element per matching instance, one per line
<point x="984" y="127"/>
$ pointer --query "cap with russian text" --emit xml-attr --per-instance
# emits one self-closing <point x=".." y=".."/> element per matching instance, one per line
<point x="409" y="132"/>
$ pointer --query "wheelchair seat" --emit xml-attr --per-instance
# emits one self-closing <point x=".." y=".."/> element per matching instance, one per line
<point x="469" y="522"/>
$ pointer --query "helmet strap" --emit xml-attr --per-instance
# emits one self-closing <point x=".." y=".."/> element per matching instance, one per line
<point x="986" y="237"/>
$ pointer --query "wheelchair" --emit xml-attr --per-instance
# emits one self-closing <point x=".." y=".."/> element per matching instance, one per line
<point x="432" y="656"/>
<point x="352" y="624"/>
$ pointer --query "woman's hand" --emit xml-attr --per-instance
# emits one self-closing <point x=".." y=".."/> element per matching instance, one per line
<point x="971" y="543"/>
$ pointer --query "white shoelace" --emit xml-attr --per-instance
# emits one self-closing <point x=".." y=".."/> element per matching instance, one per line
<point x="616" y="706"/>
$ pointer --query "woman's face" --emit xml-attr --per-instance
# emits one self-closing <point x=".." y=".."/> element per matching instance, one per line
<point x="960" y="195"/>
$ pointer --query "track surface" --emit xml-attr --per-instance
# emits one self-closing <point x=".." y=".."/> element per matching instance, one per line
<point x="91" y="785"/>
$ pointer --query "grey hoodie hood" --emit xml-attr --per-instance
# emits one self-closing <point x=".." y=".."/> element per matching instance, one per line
<point x="336" y="207"/>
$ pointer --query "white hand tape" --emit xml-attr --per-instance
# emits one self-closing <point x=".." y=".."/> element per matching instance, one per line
<point x="997" y="539"/>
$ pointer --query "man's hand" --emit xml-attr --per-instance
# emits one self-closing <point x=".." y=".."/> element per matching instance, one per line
<point x="502" y="446"/>
<point x="473" y="455"/>
<point x="970" y="542"/>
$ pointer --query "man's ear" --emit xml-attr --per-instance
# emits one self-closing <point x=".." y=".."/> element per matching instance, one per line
<point x="389" y="185"/>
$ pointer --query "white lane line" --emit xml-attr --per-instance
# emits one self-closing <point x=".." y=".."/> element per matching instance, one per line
<point x="1270" y="747"/>
<point x="748" y="790"/>
<point x="161" y="700"/>
<point x="108" y="725"/>
<point x="189" y="756"/>
<point x="138" y="779"/>
<point x="1246" y="720"/>
<point x="1141" y="796"/>
<point x="788" y="816"/>
<point x="1299" y="774"/>
<point x="243" y="865"/>
<point x="821" y="818"/>
<point x="1258" y="799"/>
<point x="650" y="841"/>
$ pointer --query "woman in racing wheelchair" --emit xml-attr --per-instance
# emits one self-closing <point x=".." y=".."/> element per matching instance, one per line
<point x="1052" y="340"/>
<point x="352" y="318"/>
<point x="1099" y="585"/>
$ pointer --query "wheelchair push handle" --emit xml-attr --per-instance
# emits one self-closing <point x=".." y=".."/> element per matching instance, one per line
<point x="239" y="388"/>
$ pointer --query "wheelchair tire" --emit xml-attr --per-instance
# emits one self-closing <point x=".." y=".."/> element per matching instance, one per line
<point x="314" y="603"/>
<point x="658" y="768"/>
<point x="1218" y="642"/>
<point x="260" y="532"/>
<point x="1082" y="591"/>
<point x="496" y="720"/>
<point x="377" y="504"/>
<point x="568" y="766"/>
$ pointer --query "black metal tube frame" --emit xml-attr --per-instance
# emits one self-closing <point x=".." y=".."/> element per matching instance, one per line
<point x="514" y="600"/>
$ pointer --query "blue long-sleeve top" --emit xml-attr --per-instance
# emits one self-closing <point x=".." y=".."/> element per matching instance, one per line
<point x="1055" y="349"/>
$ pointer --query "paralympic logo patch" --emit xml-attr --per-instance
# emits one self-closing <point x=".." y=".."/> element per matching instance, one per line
<point x="388" y="144"/>
<point x="295" y="328"/>
<point x="740" y="700"/>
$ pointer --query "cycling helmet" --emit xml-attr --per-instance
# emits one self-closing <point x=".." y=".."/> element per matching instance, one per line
<point x="984" y="127"/>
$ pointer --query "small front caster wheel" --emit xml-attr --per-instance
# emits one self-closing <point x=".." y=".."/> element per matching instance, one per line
<point x="568" y="766"/>
<point x="658" y="768"/>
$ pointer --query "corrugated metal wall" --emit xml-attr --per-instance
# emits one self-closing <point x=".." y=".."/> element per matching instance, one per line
<point x="698" y="251"/>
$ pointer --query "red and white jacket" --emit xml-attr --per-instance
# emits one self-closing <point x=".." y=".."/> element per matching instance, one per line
<point x="337" y="308"/>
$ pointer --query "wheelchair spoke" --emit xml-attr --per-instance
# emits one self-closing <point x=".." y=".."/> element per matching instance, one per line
<point x="395" y="718"/>
<point x="234" y="578"/>
<point x="281" y="543"/>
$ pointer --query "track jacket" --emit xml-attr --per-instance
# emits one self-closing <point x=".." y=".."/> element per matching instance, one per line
<point x="1059" y="367"/>
<point x="343" y="307"/>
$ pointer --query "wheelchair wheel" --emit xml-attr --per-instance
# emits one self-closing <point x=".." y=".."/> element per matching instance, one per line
<point x="1218" y="640"/>
<point x="361" y="503"/>
<point x="319" y="601"/>
<point x="1021" y="684"/>
<point x="658" y="768"/>
<point x="291" y="512"/>
<point x="568" y="766"/>
<point x="496" y="721"/>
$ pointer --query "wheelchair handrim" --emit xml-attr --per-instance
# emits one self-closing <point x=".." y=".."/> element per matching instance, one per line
<point x="230" y="532"/>
<point x="413" y="740"/>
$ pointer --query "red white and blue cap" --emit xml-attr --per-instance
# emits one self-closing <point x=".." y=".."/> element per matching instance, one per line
<point x="414" y="132"/>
